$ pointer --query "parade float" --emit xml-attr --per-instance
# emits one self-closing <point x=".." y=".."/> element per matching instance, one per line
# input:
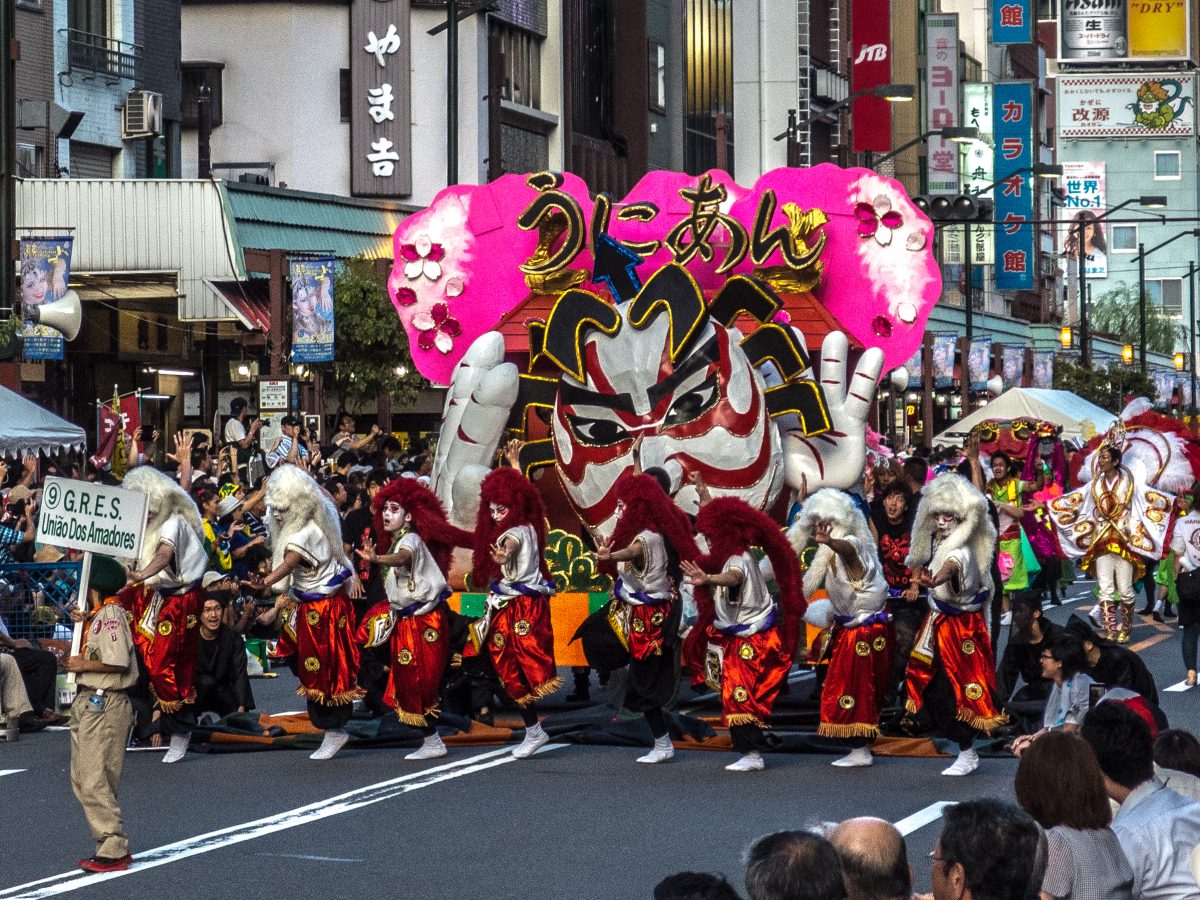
<point x="705" y="328"/>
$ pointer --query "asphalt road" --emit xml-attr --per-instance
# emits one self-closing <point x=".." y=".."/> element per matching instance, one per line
<point x="576" y="822"/>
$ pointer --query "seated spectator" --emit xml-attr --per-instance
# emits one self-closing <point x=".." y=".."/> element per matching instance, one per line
<point x="988" y="850"/>
<point x="1110" y="664"/>
<point x="14" y="702"/>
<point x="874" y="860"/>
<point x="1060" y="784"/>
<point x="1156" y="826"/>
<point x="695" y="886"/>
<point x="1031" y="633"/>
<point x="794" y="865"/>
<point x="39" y="673"/>
<point x="17" y="526"/>
<point x="222" y="685"/>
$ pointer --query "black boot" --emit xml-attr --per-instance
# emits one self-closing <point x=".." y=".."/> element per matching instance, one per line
<point x="582" y="692"/>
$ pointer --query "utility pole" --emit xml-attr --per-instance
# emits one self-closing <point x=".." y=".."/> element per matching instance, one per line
<point x="1142" y="306"/>
<point x="1081" y="253"/>
<point x="1192" y="340"/>
<point x="8" y="152"/>
<point x="451" y="92"/>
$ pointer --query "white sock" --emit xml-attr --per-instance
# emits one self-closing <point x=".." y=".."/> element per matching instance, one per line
<point x="534" y="731"/>
<point x="663" y="743"/>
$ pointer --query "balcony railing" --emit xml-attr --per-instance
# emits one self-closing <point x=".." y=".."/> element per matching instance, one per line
<point x="104" y="55"/>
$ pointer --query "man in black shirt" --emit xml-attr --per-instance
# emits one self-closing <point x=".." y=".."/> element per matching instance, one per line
<point x="1031" y="633"/>
<point x="222" y="685"/>
<point x="1112" y="665"/>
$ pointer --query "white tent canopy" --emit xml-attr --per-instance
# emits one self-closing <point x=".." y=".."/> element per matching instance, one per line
<point x="1060" y="407"/>
<point x="26" y="428"/>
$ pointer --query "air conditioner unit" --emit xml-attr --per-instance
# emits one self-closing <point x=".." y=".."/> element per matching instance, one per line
<point x="142" y="115"/>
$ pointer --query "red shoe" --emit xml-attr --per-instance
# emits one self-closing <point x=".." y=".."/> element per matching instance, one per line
<point x="106" y="863"/>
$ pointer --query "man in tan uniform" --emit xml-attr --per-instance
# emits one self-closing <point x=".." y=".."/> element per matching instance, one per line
<point x="101" y="715"/>
<point x="14" y="701"/>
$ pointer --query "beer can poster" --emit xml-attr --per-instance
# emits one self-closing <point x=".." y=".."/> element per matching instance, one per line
<point x="312" y="309"/>
<point x="45" y="271"/>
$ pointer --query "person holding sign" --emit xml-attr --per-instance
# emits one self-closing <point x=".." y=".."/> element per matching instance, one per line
<point x="105" y="669"/>
<point x="169" y="600"/>
<point x="306" y="540"/>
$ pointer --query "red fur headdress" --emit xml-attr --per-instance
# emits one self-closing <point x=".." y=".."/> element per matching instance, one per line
<point x="505" y="487"/>
<point x="648" y="508"/>
<point x="732" y="527"/>
<point x="428" y="520"/>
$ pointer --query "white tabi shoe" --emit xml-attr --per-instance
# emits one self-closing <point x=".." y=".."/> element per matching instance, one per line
<point x="751" y="762"/>
<point x="179" y="745"/>
<point x="535" y="739"/>
<point x="432" y="748"/>
<point x="663" y="750"/>
<point x="860" y="756"/>
<point x="967" y="762"/>
<point x="334" y="740"/>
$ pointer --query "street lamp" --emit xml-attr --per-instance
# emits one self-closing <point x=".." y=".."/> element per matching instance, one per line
<point x="893" y="93"/>
<point x="1179" y="359"/>
<point x="959" y="135"/>
<point x="1147" y="202"/>
<point x="1141" y="261"/>
<point x="1127" y="354"/>
<point x="1065" y="337"/>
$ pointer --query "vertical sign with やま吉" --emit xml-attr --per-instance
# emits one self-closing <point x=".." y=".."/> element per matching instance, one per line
<point x="941" y="87"/>
<point x="1013" y="114"/>
<point x="380" y="98"/>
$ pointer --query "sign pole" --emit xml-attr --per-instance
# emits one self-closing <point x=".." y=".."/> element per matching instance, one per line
<point x="85" y="576"/>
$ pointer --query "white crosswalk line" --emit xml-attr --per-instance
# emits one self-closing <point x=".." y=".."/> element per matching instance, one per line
<point x="1180" y="687"/>
<point x="4" y="772"/>
<point x="921" y="818"/>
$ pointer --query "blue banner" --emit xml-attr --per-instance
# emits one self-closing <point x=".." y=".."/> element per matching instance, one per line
<point x="1165" y="381"/>
<point x="915" y="372"/>
<point x="1014" y="366"/>
<point x="45" y="272"/>
<point x="1012" y="21"/>
<point x="1016" y="259"/>
<point x="312" y="309"/>
<point x="979" y="362"/>
<point x="943" y="360"/>
<point x="1043" y="369"/>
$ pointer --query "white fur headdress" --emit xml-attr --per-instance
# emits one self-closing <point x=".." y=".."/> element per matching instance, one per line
<point x="297" y="499"/>
<point x="952" y="494"/>
<point x="836" y="507"/>
<point x="164" y="499"/>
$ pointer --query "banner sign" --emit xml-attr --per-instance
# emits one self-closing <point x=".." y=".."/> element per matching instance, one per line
<point x="944" y="346"/>
<point x="45" y="272"/>
<point x="915" y="371"/>
<point x="312" y="309"/>
<point x="1043" y="369"/>
<point x="941" y="91"/>
<point x="977" y="155"/>
<point x="870" y="47"/>
<point x="92" y="517"/>
<point x="979" y="362"/>
<point x="1083" y="185"/>
<point x="110" y="423"/>
<point x="1016" y="261"/>
<point x="1125" y="106"/>
<point x="1013" y="365"/>
<point x="1113" y="31"/>
<point x="1164" y="385"/>
<point x="380" y="98"/>
<point x="1012" y="21"/>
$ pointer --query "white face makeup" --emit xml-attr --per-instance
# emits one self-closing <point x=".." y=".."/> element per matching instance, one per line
<point x="279" y="514"/>
<point x="945" y="522"/>
<point x="498" y="511"/>
<point x="394" y="517"/>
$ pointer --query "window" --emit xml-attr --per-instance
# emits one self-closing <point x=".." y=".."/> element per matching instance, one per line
<point x="522" y="64"/>
<point x="1167" y="293"/>
<point x="1166" y="165"/>
<point x="1124" y="238"/>
<point x="29" y="160"/>
<point x="345" y="101"/>
<point x="196" y="74"/>
<point x="657" y="71"/>
<point x="88" y="16"/>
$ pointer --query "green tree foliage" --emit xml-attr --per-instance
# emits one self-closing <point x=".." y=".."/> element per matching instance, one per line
<point x="371" y="342"/>
<point x="1106" y="387"/>
<point x="1115" y="312"/>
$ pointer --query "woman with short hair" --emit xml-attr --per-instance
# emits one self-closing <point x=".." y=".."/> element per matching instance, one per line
<point x="1060" y="784"/>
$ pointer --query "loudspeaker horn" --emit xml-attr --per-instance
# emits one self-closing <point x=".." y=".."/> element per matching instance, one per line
<point x="995" y="385"/>
<point x="65" y="315"/>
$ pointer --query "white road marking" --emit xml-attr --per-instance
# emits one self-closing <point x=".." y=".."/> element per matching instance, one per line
<point x="920" y="819"/>
<point x="311" y="858"/>
<point x="4" y="772"/>
<point x="66" y="882"/>
<point x="1180" y="688"/>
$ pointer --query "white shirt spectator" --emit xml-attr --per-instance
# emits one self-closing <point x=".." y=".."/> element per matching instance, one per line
<point x="234" y="431"/>
<point x="1158" y="828"/>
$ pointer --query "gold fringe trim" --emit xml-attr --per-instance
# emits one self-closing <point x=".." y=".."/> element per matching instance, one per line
<point x="420" y="721"/>
<point x="743" y="719"/>
<point x="986" y="724"/>
<point x="910" y="707"/>
<point x="538" y="693"/>
<point x="857" y="729"/>
<point x="324" y="699"/>
<point x="456" y="660"/>
<point x="171" y="706"/>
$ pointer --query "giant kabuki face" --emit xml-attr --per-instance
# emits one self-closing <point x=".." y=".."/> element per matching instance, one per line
<point x="702" y="411"/>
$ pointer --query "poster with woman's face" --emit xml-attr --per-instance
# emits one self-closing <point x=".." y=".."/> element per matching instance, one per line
<point x="45" y="269"/>
<point x="312" y="310"/>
